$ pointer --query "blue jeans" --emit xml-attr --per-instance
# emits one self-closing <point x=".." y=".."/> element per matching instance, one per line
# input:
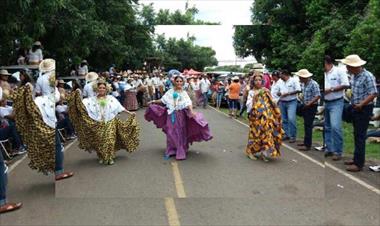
<point x="373" y="133"/>
<point x="205" y="99"/>
<point x="234" y="104"/>
<point x="66" y="124"/>
<point x="288" y="115"/>
<point x="3" y="181"/>
<point x="360" y="122"/>
<point x="219" y="97"/>
<point x="333" y="126"/>
<point x="58" y="154"/>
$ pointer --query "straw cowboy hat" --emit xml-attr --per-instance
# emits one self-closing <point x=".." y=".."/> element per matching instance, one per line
<point x="91" y="76"/>
<point x="37" y="43"/>
<point x="4" y="72"/>
<point x="47" y="65"/>
<point x="235" y="78"/>
<point x="353" y="61"/>
<point x="303" y="73"/>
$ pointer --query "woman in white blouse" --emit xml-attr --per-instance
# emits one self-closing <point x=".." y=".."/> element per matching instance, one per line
<point x="180" y="124"/>
<point x="35" y="54"/>
<point x="98" y="128"/>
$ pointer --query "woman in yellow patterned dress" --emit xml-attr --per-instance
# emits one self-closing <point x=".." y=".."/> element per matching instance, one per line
<point x="97" y="126"/>
<point x="265" y="132"/>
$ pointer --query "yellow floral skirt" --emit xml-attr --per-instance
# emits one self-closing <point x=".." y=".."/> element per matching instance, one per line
<point x="39" y="137"/>
<point x="265" y="131"/>
<point x="103" y="137"/>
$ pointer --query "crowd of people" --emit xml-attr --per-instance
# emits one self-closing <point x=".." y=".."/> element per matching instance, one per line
<point x="56" y="111"/>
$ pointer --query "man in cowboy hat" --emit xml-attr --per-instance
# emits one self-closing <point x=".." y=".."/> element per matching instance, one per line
<point x="4" y="76"/>
<point x="45" y="82"/>
<point x="311" y="95"/>
<point x="88" y="90"/>
<point x="363" y="86"/>
<point x="288" y="105"/>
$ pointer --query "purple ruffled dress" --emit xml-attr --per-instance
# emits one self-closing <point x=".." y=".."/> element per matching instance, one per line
<point x="182" y="133"/>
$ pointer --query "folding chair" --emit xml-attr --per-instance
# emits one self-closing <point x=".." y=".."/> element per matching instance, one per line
<point x="2" y="142"/>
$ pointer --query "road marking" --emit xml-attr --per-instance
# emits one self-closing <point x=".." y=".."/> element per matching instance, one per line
<point x="14" y="165"/>
<point x="171" y="211"/>
<point x="357" y="180"/>
<point x="178" y="181"/>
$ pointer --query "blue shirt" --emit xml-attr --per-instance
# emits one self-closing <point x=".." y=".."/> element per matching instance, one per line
<point x="310" y="91"/>
<point x="362" y="85"/>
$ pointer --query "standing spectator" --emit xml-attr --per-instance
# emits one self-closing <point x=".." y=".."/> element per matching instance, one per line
<point x="244" y="89"/>
<point x="364" y="91"/>
<point x="288" y="105"/>
<point x="88" y="89"/>
<point x="197" y="90"/>
<point x="83" y="68"/>
<point x="275" y="89"/>
<point x="35" y="54"/>
<point x="335" y="83"/>
<point x="219" y="94"/>
<point x="205" y="87"/>
<point x="234" y="91"/>
<point x="311" y="95"/>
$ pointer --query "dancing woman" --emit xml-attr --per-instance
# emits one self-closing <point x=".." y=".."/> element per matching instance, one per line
<point x="265" y="132"/>
<point x="94" y="119"/>
<point x="177" y="120"/>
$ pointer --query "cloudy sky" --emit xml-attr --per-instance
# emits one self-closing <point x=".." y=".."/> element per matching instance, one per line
<point x="218" y="37"/>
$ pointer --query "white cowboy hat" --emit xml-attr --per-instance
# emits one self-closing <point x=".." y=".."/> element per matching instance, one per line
<point x="91" y="76"/>
<point x="258" y="66"/>
<point x="353" y="61"/>
<point x="37" y="43"/>
<point x="47" y="65"/>
<point x="303" y="73"/>
<point x="4" y="72"/>
<point x="235" y="78"/>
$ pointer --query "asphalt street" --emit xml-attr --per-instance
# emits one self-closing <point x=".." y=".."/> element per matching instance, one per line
<point x="216" y="185"/>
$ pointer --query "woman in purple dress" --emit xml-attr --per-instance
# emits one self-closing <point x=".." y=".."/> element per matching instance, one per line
<point x="177" y="119"/>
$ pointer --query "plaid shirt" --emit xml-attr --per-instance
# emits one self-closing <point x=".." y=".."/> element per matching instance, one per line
<point x="310" y="91"/>
<point x="362" y="85"/>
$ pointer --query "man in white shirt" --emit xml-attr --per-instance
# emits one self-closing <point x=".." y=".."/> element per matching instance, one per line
<point x="288" y="105"/>
<point x="83" y="68"/>
<point x="276" y="86"/>
<point x="205" y="87"/>
<point x="88" y="90"/>
<point x="336" y="81"/>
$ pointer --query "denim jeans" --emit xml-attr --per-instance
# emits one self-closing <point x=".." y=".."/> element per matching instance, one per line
<point x="219" y="97"/>
<point x="205" y="99"/>
<point x="360" y="123"/>
<point x="333" y="126"/>
<point x="3" y="181"/>
<point x="58" y="154"/>
<point x="288" y="115"/>
<point x="16" y="138"/>
<point x="308" y="118"/>
<point x="373" y="133"/>
<point x="66" y="124"/>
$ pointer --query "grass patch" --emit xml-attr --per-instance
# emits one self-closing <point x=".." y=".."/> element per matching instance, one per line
<point x="372" y="149"/>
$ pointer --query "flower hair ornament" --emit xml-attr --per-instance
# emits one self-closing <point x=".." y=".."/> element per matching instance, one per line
<point x="52" y="80"/>
<point x="100" y="81"/>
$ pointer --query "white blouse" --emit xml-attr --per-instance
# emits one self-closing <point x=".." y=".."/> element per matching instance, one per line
<point x="98" y="113"/>
<point x="183" y="101"/>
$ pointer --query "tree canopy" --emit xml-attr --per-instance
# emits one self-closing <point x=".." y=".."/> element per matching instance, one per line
<point x="296" y="34"/>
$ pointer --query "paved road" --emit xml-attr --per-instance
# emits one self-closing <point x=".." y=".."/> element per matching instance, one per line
<point x="216" y="185"/>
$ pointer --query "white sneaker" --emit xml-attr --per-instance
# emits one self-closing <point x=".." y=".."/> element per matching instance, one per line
<point x="375" y="168"/>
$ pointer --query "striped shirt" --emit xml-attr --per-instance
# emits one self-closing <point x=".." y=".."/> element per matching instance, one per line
<point x="362" y="85"/>
<point x="310" y="91"/>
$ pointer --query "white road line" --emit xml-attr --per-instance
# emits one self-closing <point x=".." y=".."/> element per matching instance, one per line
<point x="326" y="164"/>
<point x="14" y="165"/>
<point x="171" y="212"/>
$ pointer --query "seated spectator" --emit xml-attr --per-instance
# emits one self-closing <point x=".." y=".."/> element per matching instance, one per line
<point x="64" y="120"/>
<point x="9" y="128"/>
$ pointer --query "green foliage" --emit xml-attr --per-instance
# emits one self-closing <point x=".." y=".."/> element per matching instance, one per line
<point x="296" y="34"/>
<point x="165" y="17"/>
<point x="183" y="53"/>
